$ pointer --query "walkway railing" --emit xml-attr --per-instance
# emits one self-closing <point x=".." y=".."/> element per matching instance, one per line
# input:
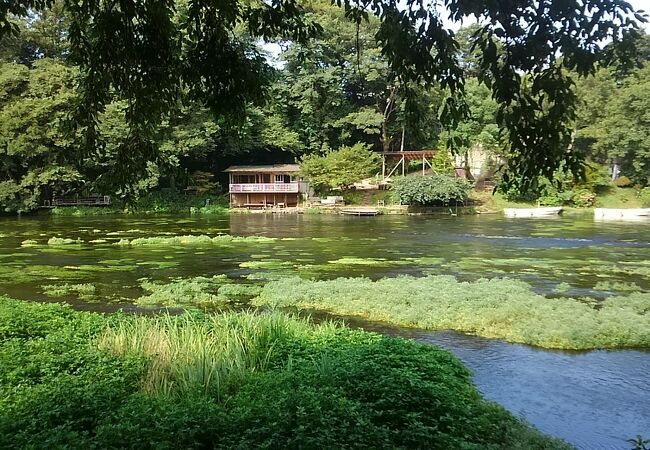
<point x="264" y="187"/>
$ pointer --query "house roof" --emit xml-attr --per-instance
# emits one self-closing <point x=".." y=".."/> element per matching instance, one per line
<point x="272" y="168"/>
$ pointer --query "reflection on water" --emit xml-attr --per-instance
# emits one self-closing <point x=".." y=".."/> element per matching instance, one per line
<point x="594" y="400"/>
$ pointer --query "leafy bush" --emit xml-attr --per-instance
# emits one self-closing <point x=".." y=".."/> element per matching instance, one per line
<point x="209" y="209"/>
<point x="498" y="308"/>
<point x="551" y="200"/>
<point x="430" y="190"/>
<point x="564" y="189"/>
<point x="623" y="182"/>
<point x="583" y="198"/>
<point x="238" y="380"/>
<point x="340" y="168"/>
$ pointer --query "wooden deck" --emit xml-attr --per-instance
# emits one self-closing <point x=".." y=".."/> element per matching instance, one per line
<point x="360" y="211"/>
<point x="104" y="200"/>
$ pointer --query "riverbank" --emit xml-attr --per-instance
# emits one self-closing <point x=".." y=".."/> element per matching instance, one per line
<point x="82" y="380"/>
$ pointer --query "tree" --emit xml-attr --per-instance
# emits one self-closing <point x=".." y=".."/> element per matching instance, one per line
<point x="339" y="169"/>
<point x="145" y="52"/>
<point x="35" y="158"/>
<point x="41" y="35"/>
<point x="340" y="89"/>
<point x="615" y="122"/>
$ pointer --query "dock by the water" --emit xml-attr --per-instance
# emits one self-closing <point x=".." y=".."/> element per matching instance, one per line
<point x="100" y="200"/>
<point x="360" y="211"/>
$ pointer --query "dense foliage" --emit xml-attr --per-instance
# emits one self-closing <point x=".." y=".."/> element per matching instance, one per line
<point x="339" y="168"/>
<point x="35" y="158"/>
<point x="430" y="190"/>
<point x="148" y="55"/>
<point x="80" y="380"/>
<point x="614" y="126"/>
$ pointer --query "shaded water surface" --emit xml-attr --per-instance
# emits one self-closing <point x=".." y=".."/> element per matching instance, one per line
<point x="593" y="399"/>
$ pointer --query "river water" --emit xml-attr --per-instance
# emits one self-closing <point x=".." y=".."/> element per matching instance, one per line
<point x="595" y="400"/>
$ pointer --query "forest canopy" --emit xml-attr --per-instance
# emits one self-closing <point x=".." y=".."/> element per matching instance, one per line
<point x="158" y="81"/>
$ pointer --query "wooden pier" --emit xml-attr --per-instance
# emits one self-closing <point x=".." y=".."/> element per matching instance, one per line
<point x="360" y="212"/>
<point x="103" y="200"/>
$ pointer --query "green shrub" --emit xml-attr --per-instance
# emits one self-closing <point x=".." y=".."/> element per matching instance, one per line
<point x="430" y="190"/>
<point x="238" y="380"/>
<point x="583" y="198"/>
<point x="351" y="197"/>
<point x="209" y="209"/>
<point x="551" y="200"/>
<point x="623" y="182"/>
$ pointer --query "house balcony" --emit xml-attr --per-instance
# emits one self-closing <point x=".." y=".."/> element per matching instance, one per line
<point x="271" y="188"/>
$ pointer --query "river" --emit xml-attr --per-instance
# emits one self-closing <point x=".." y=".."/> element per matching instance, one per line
<point x="595" y="400"/>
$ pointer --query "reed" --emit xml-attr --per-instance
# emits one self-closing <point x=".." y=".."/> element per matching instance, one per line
<point x="214" y="354"/>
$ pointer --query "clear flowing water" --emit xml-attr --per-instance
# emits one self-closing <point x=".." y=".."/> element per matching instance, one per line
<point x="593" y="399"/>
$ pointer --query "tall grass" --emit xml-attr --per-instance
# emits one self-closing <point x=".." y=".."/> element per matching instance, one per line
<point x="214" y="354"/>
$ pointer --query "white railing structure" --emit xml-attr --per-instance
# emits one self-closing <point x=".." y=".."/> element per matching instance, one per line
<point x="265" y="188"/>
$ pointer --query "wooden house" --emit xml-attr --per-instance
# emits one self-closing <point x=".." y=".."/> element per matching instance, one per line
<point x="274" y="185"/>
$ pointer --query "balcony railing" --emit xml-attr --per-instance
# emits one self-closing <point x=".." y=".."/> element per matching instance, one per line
<point x="265" y="188"/>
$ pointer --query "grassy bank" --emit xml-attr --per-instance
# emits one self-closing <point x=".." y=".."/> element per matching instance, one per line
<point x="497" y="308"/>
<point x="81" y="380"/>
<point x="613" y="197"/>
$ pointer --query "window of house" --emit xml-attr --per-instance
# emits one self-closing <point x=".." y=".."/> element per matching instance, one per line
<point x="244" y="179"/>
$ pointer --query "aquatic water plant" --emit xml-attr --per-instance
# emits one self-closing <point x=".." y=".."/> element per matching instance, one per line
<point x="19" y="273"/>
<point x="83" y="380"/>
<point x="239" y="290"/>
<point x="197" y="291"/>
<point x="63" y="241"/>
<point x="614" y="286"/>
<point x="497" y="308"/>
<point x="29" y="243"/>
<point x="198" y="240"/>
<point x="84" y="291"/>
<point x="266" y="264"/>
<point x="353" y="261"/>
<point x="562" y="287"/>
